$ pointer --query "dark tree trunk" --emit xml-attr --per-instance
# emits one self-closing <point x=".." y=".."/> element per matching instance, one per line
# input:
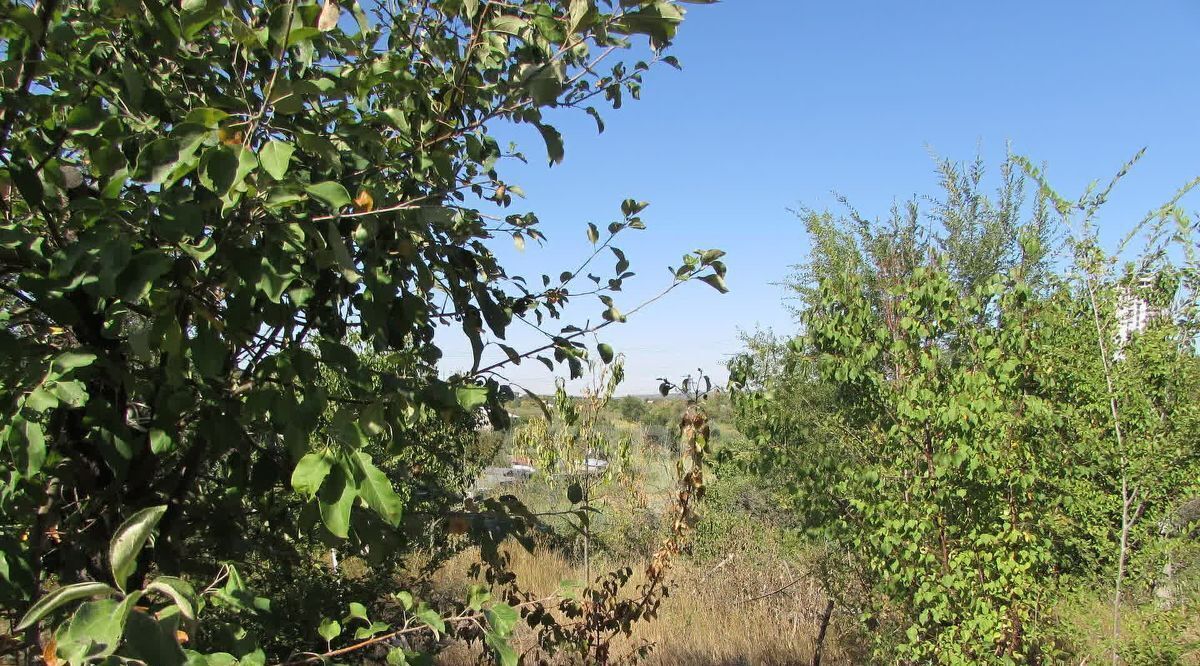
<point x="816" y="660"/>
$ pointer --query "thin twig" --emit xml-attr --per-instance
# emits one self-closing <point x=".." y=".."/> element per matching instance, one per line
<point x="462" y="618"/>
<point x="771" y="593"/>
<point x="280" y="60"/>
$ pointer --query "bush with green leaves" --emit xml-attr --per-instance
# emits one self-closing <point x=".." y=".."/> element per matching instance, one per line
<point x="210" y="208"/>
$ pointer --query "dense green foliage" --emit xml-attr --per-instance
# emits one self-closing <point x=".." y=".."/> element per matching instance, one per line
<point x="236" y="234"/>
<point x="233" y="235"/>
<point x="969" y="427"/>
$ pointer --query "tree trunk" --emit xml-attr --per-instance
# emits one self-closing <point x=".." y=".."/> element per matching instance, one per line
<point x="820" y="646"/>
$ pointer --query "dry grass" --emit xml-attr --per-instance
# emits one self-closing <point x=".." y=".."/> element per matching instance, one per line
<point x="713" y="616"/>
<point x="744" y="600"/>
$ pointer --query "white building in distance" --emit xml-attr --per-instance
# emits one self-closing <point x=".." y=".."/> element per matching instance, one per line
<point x="1134" y="312"/>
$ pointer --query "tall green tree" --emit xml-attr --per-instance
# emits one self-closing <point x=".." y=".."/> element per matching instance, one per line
<point x="208" y="207"/>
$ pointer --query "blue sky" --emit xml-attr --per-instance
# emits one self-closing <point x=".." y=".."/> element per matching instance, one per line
<point x="781" y="103"/>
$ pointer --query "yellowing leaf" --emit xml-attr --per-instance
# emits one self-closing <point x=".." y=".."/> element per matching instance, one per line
<point x="329" y="16"/>
<point x="230" y="137"/>
<point x="364" y="202"/>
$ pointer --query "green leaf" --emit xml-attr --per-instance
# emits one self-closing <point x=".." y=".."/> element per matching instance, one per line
<point x="554" y="143"/>
<point x="329" y="629"/>
<point x="502" y="618"/>
<point x="330" y="193"/>
<point x="273" y="282"/>
<point x="213" y="659"/>
<point x="578" y="9"/>
<point x="341" y="253"/>
<point x="128" y="541"/>
<point x="208" y="350"/>
<point x="59" y="596"/>
<point x="274" y="158"/>
<point x="40" y="400"/>
<point x="478" y="596"/>
<point x="28" y="21"/>
<point x="247" y="163"/>
<point x="190" y="137"/>
<point x="360" y="17"/>
<point x="658" y="21"/>
<point x="35" y="445"/>
<point x="142" y="273"/>
<point x="310" y="473"/>
<point x="235" y="593"/>
<point x="373" y="419"/>
<point x="68" y="361"/>
<point x="591" y="111"/>
<point x="86" y="119"/>
<point x="160" y="442"/>
<point x="179" y="591"/>
<point x="301" y="34"/>
<point x="219" y="169"/>
<point x="27" y="182"/>
<point x="471" y="397"/>
<point x="156" y="160"/>
<point x="336" y="499"/>
<point x="94" y="630"/>
<point x="716" y="282"/>
<point x="631" y="207"/>
<point x="152" y="641"/>
<point x="431" y="619"/>
<point x="376" y="490"/>
<point x="575" y="493"/>
<point x="374" y="629"/>
<point x="207" y="117"/>
<point x="505" y="654"/>
<point x="358" y="611"/>
<point x="545" y="82"/>
<point x="398" y="118"/>
<point x="71" y="393"/>
<point x="606" y="352"/>
<point x="508" y="23"/>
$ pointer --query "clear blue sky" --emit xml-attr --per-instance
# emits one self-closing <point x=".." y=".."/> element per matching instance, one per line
<point x="782" y="102"/>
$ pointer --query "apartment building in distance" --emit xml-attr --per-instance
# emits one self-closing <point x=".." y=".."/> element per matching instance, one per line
<point x="1134" y="312"/>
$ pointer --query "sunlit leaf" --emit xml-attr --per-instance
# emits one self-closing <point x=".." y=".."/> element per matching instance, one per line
<point x="128" y="540"/>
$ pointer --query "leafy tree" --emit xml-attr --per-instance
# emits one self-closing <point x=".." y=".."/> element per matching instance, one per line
<point x="577" y="448"/>
<point x="973" y="442"/>
<point x="976" y="234"/>
<point x="210" y="208"/>
<point x="1140" y="418"/>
